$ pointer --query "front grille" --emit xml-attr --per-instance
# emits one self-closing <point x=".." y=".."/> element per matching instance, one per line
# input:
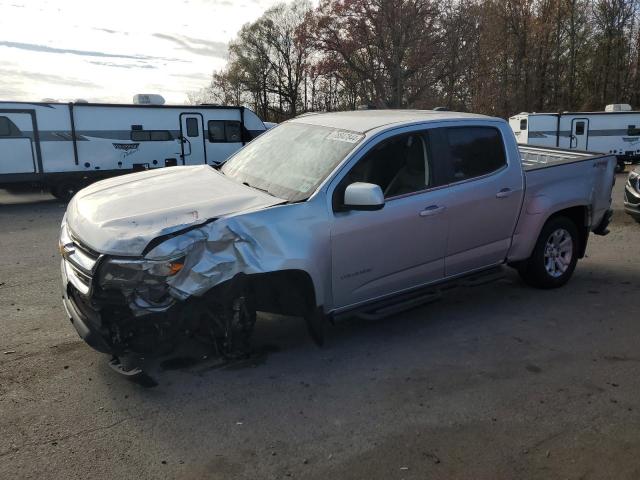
<point x="81" y="264"/>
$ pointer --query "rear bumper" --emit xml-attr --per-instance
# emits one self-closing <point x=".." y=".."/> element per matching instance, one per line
<point x="87" y="323"/>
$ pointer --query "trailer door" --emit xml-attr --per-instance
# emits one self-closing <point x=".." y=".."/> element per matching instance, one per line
<point x="192" y="139"/>
<point x="16" y="149"/>
<point x="579" y="134"/>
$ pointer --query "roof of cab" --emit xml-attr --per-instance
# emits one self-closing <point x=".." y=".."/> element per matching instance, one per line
<point x="365" y="120"/>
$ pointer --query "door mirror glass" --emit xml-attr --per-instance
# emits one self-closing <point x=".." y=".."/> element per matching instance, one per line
<point x="363" y="196"/>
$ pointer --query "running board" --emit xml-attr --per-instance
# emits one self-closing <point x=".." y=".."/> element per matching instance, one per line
<point x="424" y="296"/>
<point x="400" y="306"/>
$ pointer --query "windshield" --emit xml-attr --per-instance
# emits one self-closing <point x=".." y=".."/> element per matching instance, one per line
<point x="291" y="160"/>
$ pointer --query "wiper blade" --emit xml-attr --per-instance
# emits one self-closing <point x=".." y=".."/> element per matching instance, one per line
<point x="257" y="188"/>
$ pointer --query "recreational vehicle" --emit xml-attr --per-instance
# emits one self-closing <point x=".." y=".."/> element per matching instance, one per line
<point x="615" y="131"/>
<point x="66" y="146"/>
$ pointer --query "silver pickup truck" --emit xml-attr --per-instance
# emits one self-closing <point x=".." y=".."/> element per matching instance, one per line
<point x="323" y="216"/>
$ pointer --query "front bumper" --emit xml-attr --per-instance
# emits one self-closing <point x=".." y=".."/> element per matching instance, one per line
<point x="632" y="202"/>
<point x="84" y="319"/>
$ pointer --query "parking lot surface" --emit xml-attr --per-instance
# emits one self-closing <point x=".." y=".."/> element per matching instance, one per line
<point x="499" y="381"/>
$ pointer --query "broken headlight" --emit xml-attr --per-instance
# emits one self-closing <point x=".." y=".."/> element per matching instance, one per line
<point x="142" y="282"/>
<point x="123" y="273"/>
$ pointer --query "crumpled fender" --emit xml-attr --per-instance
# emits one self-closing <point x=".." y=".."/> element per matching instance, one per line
<point x="286" y="237"/>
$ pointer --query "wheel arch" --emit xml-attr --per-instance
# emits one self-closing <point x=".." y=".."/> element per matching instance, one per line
<point x="286" y="292"/>
<point x="531" y="226"/>
<point x="581" y="216"/>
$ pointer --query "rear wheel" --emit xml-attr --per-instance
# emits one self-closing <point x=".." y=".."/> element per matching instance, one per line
<point x="555" y="255"/>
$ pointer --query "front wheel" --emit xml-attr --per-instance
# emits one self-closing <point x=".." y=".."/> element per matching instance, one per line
<point x="554" y="257"/>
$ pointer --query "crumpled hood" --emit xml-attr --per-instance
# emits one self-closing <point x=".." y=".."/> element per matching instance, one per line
<point x="121" y="215"/>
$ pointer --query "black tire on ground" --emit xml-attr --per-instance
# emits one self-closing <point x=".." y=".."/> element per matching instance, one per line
<point x="550" y="266"/>
<point x="64" y="191"/>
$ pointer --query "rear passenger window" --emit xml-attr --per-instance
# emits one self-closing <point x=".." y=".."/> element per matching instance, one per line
<point x="225" y="131"/>
<point x="475" y="151"/>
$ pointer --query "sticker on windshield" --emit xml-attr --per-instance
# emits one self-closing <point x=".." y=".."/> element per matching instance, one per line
<point x="343" y="136"/>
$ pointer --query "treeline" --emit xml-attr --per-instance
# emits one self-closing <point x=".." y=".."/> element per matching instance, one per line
<point x="496" y="57"/>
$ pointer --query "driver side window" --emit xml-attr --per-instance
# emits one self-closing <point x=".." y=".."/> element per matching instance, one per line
<point x="399" y="165"/>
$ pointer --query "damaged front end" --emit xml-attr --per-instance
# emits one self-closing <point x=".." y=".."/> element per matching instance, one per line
<point x="123" y="305"/>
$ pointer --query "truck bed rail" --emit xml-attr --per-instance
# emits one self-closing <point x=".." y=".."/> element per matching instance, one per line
<point x="541" y="157"/>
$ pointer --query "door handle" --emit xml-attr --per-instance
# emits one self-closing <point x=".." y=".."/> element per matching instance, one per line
<point x="504" y="193"/>
<point x="432" y="210"/>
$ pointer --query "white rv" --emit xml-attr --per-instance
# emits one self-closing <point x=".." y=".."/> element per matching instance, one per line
<point x="615" y="131"/>
<point x="65" y="146"/>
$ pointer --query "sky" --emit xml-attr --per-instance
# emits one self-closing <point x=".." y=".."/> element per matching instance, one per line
<point x="109" y="50"/>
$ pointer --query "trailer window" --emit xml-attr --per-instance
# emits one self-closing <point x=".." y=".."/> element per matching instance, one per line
<point x="579" y="128"/>
<point x="8" y="128"/>
<point x="632" y="131"/>
<point x="151" y="135"/>
<point x="474" y="151"/>
<point x="225" y="131"/>
<point x="523" y="124"/>
<point x="192" y="127"/>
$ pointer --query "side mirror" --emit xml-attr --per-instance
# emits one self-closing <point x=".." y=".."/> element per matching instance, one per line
<point x="363" y="196"/>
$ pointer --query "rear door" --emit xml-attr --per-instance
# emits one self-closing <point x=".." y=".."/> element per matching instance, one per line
<point x="17" y="154"/>
<point x="192" y="138"/>
<point x="484" y="196"/>
<point x="579" y="134"/>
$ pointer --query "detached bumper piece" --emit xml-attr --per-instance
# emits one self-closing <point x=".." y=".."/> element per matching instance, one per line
<point x="602" y="229"/>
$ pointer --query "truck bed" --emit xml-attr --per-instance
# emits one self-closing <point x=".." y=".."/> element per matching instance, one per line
<point x="534" y="158"/>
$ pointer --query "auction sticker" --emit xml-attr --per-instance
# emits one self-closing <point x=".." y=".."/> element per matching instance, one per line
<point x="342" y="136"/>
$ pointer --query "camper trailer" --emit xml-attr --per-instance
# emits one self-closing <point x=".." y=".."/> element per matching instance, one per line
<point x="615" y="131"/>
<point x="66" y="146"/>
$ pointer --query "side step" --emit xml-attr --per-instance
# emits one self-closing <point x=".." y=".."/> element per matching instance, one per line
<point x="417" y="298"/>
<point x="401" y="306"/>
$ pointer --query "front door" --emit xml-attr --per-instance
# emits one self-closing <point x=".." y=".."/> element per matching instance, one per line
<point x="17" y="154"/>
<point x="401" y="246"/>
<point x="579" y="133"/>
<point x="192" y="139"/>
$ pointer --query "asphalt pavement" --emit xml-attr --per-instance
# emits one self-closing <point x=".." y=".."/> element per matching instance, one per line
<point x="499" y="381"/>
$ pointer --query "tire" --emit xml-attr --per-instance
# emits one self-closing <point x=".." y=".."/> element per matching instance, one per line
<point x="65" y="191"/>
<point x="555" y="255"/>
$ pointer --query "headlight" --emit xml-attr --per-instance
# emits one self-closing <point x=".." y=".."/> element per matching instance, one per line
<point x="128" y="274"/>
